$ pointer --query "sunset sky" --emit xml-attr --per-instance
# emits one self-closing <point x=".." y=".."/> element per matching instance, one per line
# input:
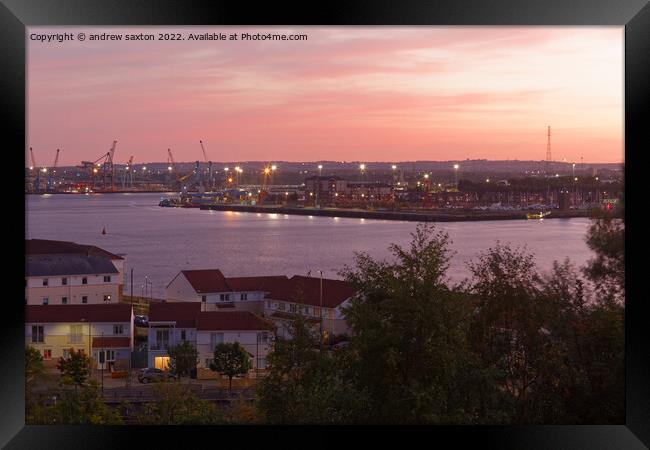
<point x="353" y="94"/>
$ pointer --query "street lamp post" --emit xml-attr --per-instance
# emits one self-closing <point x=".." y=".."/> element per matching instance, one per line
<point x="320" y="170"/>
<point x="321" y="311"/>
<point x="456" y="166"/>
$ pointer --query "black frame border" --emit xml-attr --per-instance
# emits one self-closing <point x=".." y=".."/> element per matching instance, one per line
<point x="16" y="15"/>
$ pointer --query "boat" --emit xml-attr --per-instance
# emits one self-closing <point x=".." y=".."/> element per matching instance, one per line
<point x="539" y="215"/>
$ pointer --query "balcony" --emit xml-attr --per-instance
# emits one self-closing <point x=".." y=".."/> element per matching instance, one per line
<point x="159" y="345"/>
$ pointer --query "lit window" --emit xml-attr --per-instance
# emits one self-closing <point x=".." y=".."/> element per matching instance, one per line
<point x="107" y="298"/>
<point x="75" y="334"/>
<point x="161" y="362"/>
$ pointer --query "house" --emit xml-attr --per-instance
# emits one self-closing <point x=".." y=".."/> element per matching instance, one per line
<point x="276" y="297"/>
<point x="104" y="331"/>
<point x="66" y="273"/>
<point x="171" y="323"/>
<point x="216" y="293"/>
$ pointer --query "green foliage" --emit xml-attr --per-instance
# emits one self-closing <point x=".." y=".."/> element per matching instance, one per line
<point x="82" y="405"/>
<point x="33" y="364"/>
<point x="230" y="360"/>
<point x="606" y="237"/>
<point x="183" y="358"/>
<point x="305" y="386"/>
<point x="177" y="405"/>
<point x="510" y="345"/>
<point x="76" y="369"/>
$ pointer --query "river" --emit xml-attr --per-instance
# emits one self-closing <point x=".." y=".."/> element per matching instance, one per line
<point x="158" y="242"/>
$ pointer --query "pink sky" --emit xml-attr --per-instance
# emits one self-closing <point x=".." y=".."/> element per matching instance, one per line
<point x="354" y="94"/>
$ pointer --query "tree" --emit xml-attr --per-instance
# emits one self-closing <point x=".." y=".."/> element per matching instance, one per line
<point x="409" y="350"/>
<point x="82" y="405"/>
<point x="606" y="237"/>
<point x="183" y="358"/>
<point x="305" y="386"/>
<point x="33" y="364"/>
<point x="230" y="359"/>
<point x="177" y="405"/>
<point x="76" y="368"/>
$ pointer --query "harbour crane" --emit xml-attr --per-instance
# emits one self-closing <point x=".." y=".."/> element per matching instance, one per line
<point x="51" y="172"/>
<point x="209" y="163"/>
<point x="37" y="181"/>
<point x="106" y="163"/>
<point x="127" y="176"/>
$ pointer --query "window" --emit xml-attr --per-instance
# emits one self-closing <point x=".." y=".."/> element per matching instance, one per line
<point x="261" y="363"/>
<point x="317" y="312"/>
<point x="207" y="363"/>
<point x="45" y="281"/>
<point x="118" y="329"/>
<point x="183" y="335"/>
<point x="224" y="297"/>
<point x="262" y="337"/>
<point x="84" y="280"/>
<point x="46" y="300"/>
<point x="306" y="309"/>
<point x="107" y="298"/>
<point x="64" y="300"/>
<point x="204" y="298"/>
<point x="293" y="308"/>
<point x="268" y="303"/>
<point x="107" y="278"/>
<point x="281" y="306"/>
<point x="64" y="281"/>
<point x="66" y="353"/>
<point x="244" y="296"/>
<point x="216" y="338"/>
<point x="75" y="334"/>
<point x="47" y="353"/>
<point x="84" y="299"/>
<point x="37" y="333"/>
<point x="162" y="337"/>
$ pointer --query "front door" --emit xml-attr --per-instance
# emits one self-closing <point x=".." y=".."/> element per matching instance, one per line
<point x="105" y="359"/>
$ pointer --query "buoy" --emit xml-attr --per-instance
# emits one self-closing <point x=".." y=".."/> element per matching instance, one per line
<point x="104" y="230"/>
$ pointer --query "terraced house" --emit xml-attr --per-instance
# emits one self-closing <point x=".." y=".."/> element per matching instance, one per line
<point x="171" y="323"/>
<point x="105" y="332"/>
<point x="278" y="298"/>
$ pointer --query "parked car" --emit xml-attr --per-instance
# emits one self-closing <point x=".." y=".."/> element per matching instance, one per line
<point x="150" y="375"/>
<point x="141" y="321"/>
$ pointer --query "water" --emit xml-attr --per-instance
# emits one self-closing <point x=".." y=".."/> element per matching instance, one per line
<point x="159" y="242"/>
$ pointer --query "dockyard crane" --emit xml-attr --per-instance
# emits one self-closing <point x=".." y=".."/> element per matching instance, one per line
<point x="37" y="181"/>
<point x="209" y="163"/>
<point x="51" y="172"/>
<point x="127" y="175"/>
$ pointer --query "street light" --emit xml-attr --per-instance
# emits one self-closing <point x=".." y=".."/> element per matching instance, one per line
<point x="456" y="166"/>
<point x="320" y="170"/>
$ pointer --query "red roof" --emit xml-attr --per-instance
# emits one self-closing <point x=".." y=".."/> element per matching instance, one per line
<point x="207" y="281"/>
<point x="47" y="247"/>
<point x="306" y="290"/>
<point x="298" y="289"/>
<point x="263" y="283"/>
<point x="235" y="320"/>
<point x="120" y="312"/>
<point x="111" y="342"/>
<point x="183" y="313"/>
